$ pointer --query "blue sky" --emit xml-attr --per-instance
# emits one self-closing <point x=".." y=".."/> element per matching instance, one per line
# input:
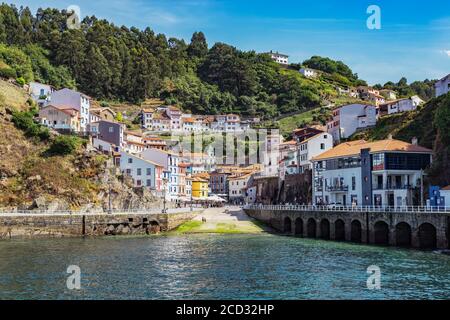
<point x="414" y="40"/>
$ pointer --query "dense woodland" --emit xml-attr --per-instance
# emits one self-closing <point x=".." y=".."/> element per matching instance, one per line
<point x="110" y="62"/>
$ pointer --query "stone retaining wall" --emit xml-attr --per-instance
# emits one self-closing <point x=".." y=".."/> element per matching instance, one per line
<point x="30" y="225"/>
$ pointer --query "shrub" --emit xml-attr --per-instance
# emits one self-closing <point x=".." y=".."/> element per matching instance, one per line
<point x="21" y="81"/>
<point x="8" y="73"/>
<point x="64" y="145"/>
<point x="24" y="121"/>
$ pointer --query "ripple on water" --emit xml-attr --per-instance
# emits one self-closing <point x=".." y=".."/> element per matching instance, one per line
<point x="217" y="267"/>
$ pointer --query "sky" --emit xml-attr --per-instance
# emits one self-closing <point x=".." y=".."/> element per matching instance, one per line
<point x="413" y="42"/>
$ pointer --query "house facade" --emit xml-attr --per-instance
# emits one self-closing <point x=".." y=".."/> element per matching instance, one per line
<point x="311" y="148"/>
<point x="279" y="57"/>
<point x="144" y="173"/>
<point x="97" y="114"/>
<point x="351" y="118"/>
<point x="108" y="131"/>
<point x="237" y="188"/>
<point x="309" y="73"/>
<point x="384" y="173"/>
<point x="40" y="93"/>
<point x="68" y="98"/>
<point x="60" y="119"/>
<point x="442" y="86"/>
<point x="401" y="105"/>
<point x="170" y="162"/>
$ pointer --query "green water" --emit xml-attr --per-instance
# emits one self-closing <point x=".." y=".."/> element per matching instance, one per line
<point x="217" y="267"/>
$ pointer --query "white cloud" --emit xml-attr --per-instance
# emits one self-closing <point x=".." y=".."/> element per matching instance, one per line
<point x="447" y="52"/>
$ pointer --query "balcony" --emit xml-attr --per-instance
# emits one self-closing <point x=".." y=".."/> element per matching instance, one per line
<point x="341" y="188"/>
<point x="392" y="187"/>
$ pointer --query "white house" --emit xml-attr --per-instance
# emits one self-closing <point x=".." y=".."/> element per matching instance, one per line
<point x="250" y="195"/>
<point x="40" y="93"/>
<point x="442" y="86"/>
<point x="351" y="118"/>
<point x="68" y="98"/>
<point x="144" y="173"/>
<point x="147" y="118"/>
<point x="279" y="57"/>
<point x="170" y="162"/>
<point x="312" y="147"/>
<point x="401" y="105"/>
<point x="381" y="173"/>
<point x="272" y="155"/>
<point x="309" y="73"/>
<point x="237" y="187"/>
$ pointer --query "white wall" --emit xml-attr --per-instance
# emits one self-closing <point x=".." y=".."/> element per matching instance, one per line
<point x="443" y="86"/>
<point x="147" y="180"/>
<point x="349" y="122"/>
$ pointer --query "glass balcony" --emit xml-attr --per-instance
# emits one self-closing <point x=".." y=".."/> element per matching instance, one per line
<point x="341" y="188"/>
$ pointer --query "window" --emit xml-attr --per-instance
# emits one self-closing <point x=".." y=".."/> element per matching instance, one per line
<point x="111" y="129"/>
<point x="149" y="183"/>
<point x="322" y="146"/>
<point x="129" y="172"/>
<point x="130" y="160"/>
<point x="139" y="171"/>
<point x="139" y="183"/>
<point x="353" y="183"/>
<point x="149" y="171"/>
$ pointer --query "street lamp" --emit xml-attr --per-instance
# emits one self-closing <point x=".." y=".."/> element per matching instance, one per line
<point x="164" y="194"/>
<point x="165" y="181"/>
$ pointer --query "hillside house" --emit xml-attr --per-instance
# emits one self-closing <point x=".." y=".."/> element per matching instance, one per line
<point x="68" y="98"/>
<point x="40" y="93"/>
<point x="60" y="118"/>
<point x="350" y="118"/>
<point x="442" y="86"/>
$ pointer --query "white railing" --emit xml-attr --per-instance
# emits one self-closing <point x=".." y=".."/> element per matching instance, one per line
<point x="337" y="208"/>
<point x="97" y="212"/>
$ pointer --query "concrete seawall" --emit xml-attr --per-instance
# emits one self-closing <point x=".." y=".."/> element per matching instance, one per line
<point x="58" y="225"/>
<point x="405" y="229"/>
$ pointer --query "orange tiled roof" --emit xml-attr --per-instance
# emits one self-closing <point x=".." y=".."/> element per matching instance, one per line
<point x="354" y="148"/>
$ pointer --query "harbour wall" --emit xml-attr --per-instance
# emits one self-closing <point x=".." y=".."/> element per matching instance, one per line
<point x="426" y="230"/>
<point x="89" y="224"/>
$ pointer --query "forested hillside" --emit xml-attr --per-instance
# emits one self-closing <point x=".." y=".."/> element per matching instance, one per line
<point x="117" y="63"/>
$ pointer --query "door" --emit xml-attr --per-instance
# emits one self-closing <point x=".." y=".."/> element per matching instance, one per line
<point x="344" y="200"/>
<point x="391" y="200"/>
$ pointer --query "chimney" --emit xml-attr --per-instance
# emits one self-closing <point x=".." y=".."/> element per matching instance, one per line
<point x="415" y="141"/>
<point x="390" y="137"/>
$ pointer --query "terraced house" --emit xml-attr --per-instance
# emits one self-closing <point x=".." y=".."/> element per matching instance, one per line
<point x="386" y="173"/>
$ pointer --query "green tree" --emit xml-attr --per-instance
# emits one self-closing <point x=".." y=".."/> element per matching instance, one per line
<point x="198" y="47"/>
